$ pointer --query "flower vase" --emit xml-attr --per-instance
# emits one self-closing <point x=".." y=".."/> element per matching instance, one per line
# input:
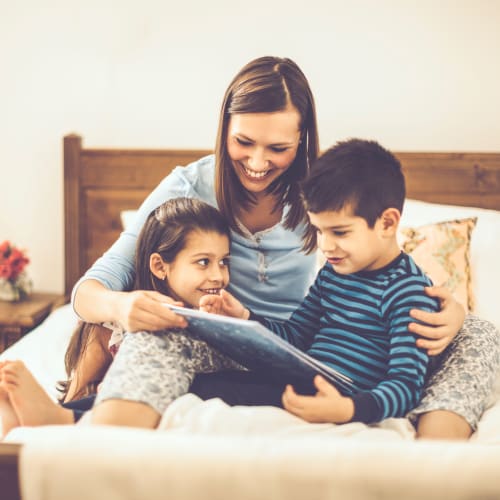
<point x="15" y="290"/>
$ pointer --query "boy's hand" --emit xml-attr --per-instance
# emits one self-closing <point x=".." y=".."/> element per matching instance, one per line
<point x="327" y="405"/>
<point x="224" y="304"/>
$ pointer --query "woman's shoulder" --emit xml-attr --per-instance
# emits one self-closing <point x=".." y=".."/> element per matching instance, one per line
<point x="201" y="167"/>
<point x="197" y="179"/>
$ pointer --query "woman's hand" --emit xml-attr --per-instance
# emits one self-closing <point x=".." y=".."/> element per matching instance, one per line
<point x="143" y="310"/>
<point x="224" y="304"/>
<point x="327" y="405"/>
<point x="441" y="327"/>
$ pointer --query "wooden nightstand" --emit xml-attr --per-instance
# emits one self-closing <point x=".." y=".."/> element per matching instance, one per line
<point x="18" y="318"/>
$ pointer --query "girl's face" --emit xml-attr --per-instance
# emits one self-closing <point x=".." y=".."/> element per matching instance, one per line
<point x="262" y="146"/>
<point x="200" y="268"/>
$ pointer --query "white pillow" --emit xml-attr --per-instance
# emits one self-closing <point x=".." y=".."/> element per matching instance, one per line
<point x="485" y="248"/>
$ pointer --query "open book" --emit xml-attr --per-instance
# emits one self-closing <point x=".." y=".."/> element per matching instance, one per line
<point x="258" y="348"/>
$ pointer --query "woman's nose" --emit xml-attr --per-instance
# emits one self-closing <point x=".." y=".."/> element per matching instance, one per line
<point x="257" y="160"/>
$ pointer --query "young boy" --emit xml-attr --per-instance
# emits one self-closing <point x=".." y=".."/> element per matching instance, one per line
<point x="356" y="313"/>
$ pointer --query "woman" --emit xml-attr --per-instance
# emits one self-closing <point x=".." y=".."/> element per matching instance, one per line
<point x="266" y="140"/>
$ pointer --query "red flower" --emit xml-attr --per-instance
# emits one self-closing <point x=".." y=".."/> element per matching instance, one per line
<point x="12" y="261"/>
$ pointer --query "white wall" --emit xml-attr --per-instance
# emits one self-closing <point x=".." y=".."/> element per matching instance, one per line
<point x="416" y="75"/>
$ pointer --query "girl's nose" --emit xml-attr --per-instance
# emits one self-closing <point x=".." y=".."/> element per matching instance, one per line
<point x="216" y="274"/>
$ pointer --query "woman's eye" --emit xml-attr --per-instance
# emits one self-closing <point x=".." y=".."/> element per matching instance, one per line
<point x="339" y="233"/>
<point x="242" y="142"/>
<point x="224" y="262"/>
<point x="278" y="149"/>
<point x="203" y="262"/>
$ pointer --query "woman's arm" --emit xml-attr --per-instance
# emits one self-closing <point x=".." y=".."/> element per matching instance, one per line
<point x="101" y="294"/>
<point x="441" y="327"/>
<point x="139" y="310"/>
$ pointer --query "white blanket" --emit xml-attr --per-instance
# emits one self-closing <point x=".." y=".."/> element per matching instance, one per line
<point x="209" y="450"/>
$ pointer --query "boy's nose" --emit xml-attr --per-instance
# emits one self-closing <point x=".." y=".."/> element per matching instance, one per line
<point x="326" y="244"/>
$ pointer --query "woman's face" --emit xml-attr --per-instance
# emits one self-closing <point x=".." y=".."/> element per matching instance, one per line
<point x="262" y="146"/>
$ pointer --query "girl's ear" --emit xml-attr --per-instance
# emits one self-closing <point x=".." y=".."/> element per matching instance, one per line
<point x="390" y="221"/>
<point x="158" y="266"/>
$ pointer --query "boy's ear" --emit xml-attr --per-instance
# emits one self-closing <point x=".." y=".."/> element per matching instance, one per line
<point x="158" y="266"/>
<point x="390" y="221"/>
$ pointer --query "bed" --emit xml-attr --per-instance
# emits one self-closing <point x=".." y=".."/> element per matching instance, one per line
<point x="208" y="450"/>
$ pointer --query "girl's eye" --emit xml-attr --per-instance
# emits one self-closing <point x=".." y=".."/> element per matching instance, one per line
<point x="224" y="262"/>
<point x="203" y="262"/>
<point x="339" y="233"/>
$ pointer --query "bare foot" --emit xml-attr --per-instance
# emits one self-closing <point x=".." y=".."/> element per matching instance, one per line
<point x="32" y="405"/>
<point x="8" y="417"/>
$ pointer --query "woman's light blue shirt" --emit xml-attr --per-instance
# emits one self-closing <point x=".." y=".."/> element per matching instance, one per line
<point x="269" y="272"/>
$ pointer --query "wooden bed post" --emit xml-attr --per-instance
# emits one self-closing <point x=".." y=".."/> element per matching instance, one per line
<point x="72" y="229"/>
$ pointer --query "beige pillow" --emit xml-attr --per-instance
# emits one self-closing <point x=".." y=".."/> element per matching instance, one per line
<point x="442" y="250"/>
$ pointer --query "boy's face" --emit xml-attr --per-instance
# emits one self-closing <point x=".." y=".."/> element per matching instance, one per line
<point x="348" y="244"/>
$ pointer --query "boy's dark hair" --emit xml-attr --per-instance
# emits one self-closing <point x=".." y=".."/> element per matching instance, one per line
<point x="356" y="173"/>
<point x="165" y="232"/>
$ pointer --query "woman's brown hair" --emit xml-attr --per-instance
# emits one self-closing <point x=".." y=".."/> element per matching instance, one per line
<point x="266" y="85"/>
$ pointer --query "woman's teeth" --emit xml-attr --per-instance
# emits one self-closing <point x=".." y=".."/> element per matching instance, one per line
<point x="256" y="175"/>
<point x="211" y="291"/>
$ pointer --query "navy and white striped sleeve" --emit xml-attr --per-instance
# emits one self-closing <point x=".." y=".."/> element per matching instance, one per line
<point x="401" y="389"/>
<point x="300" y="329"/>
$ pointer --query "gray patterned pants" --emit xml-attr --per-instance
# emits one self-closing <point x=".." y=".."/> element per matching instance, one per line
<point x="156" y="368"/>
<point x="465" y="377"/>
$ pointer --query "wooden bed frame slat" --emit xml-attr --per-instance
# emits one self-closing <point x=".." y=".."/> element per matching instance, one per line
<point x="9" y="465"/>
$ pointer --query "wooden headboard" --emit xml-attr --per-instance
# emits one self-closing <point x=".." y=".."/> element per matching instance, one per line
<point x="100" y="183"/>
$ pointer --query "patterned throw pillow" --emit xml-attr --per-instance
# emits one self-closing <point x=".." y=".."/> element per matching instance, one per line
<point x="442" y="250"/>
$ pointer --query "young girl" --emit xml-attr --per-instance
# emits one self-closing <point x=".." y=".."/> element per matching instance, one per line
<point x="182" y="252"/>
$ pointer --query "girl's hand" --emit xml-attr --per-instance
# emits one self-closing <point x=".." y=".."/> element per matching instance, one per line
<point x="143" y="310"/>
<point x="441" y="327"/>
<point x="327" y="405"/>
<point x="224" y="304"/>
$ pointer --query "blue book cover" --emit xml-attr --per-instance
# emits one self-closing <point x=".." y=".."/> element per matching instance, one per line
<point x="257" y="348"/>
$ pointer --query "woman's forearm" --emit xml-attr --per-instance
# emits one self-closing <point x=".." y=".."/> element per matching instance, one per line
<point x="94" y="303"/>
